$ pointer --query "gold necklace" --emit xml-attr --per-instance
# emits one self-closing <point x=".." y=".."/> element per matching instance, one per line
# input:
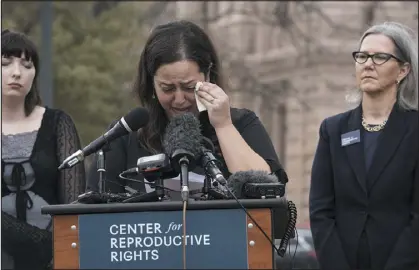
<point x="374" y="128"/>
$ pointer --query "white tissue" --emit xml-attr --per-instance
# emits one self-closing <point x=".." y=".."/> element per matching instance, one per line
<point x="199" y="104"/>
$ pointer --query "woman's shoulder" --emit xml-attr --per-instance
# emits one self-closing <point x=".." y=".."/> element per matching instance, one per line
<point x="242" y="118"/>
<point x="54" y="117"/>
<point x="238" y="114"/>
<point x="336" y="119"/>
<point x="58" y="114"/>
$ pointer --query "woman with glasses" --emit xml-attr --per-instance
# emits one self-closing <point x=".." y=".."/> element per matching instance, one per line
<point x="364" y="196"/>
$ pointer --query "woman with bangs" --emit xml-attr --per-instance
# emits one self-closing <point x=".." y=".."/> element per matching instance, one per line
<point x="35" y="140"/>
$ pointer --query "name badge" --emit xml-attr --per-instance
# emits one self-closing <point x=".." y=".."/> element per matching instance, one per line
<point x="350" y="138"/>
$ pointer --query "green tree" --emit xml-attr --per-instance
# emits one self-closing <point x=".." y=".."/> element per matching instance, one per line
<point x="94" y="59"/>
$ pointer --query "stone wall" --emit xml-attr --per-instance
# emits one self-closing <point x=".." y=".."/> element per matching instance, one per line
<point x="301" y="61"/>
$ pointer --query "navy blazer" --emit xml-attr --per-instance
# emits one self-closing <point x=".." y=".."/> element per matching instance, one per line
<point x="345" y="198"/>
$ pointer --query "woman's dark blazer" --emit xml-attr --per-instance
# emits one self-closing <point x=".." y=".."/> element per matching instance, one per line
<point x="345" y="198"/>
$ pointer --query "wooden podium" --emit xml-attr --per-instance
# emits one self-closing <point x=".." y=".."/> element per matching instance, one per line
<point x="147" y="235"/>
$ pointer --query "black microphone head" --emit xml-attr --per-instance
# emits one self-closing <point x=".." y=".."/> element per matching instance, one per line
<point x="183" y="133"/>
<point x="237" y="180"/>
<point x="135" y="119"/>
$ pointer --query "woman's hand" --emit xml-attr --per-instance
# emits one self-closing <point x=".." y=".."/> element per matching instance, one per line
<point x="217" y="103"/>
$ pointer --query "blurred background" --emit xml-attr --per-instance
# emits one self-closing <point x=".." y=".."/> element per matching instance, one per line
<point x="290" y="62"/>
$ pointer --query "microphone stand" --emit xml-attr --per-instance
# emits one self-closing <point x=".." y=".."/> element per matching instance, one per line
<point x="155" y="196"/>
<point x="101" y="169"/>
<point x="208" y="191"/>
<point x="183" y="162"/>
<point x="184" y="178"/>
<point x="101" y="166"/>
<point x="207" y="186"/>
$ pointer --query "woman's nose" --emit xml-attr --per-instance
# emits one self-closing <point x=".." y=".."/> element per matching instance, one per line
<point x="16" y="70"/>
<point x="179" y="96"/>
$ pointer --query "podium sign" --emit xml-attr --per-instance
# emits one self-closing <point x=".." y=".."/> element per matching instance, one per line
<point x="219" y="235"/>
<point x="154" y="240"/>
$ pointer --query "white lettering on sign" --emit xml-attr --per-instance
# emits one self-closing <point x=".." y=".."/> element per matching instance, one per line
<point x="143" y="241"/>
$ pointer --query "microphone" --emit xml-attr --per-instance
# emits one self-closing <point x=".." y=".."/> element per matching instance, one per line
<point x="152" y="168"/>
<point x="182" y="142"/>
<point x="209" y="162"/>
<point x="132" y="121"/>
<point x="255" y="185"/>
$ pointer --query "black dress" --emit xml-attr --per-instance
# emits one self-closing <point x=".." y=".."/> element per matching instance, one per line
<point x="32" y="181"/>
<point x="125" y="151"/>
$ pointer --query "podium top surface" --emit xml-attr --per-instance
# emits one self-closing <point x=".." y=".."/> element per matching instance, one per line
<point x="74" y="209"/>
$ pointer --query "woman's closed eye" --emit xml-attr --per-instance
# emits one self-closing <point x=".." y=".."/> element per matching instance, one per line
<point x="167" y="89"/>
<point x="189" y="88"/>
<point x="5" y="61"/>
<point x="27" y="64"/>
<point x="173" y="88"/>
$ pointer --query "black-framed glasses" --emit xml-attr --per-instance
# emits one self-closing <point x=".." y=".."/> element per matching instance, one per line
<point x="377" y="58"/>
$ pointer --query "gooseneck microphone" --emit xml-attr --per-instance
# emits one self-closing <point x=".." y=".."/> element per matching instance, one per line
<point x="208" y="161"/>
<point x="132" y="121"/>
<point x="181" y="142"/>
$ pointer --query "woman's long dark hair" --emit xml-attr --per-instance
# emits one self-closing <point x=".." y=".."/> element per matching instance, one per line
<point x="14" y="44"/>
<point x="169" y="43"/>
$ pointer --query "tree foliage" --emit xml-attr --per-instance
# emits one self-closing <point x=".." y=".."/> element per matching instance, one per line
<point x="95" y="56"/>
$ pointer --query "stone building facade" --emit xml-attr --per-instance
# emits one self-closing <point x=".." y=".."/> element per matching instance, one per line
<point x="291" y="63"/>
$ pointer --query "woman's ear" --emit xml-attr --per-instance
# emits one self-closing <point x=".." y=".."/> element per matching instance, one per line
<point x="208" y="75"/>
<point x="404" y="70"/>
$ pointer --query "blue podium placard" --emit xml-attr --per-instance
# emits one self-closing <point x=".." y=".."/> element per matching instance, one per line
<point x="153" y="240"/>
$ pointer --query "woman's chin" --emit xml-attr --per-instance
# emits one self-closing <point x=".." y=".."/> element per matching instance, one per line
<point x="370" y="90"/>
<point x="178" y="112"/>
<point x="13" y="94"/>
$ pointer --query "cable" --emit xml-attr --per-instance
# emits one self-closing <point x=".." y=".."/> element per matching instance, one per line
<point x="295" y="250"/>
<point x="97" y="197"/>
<point x="254" y="221"/>
<point x="290" y="227"/>
<point x="184" y="234"/>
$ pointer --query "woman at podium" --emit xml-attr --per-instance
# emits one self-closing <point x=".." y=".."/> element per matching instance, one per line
<point x="35" y="140"/>
<point x="176" y="57"/>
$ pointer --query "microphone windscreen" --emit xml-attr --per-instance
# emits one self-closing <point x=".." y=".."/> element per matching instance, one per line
<point x="137" y="118"/>
<point x="237" y="180"/>
<point x="183" y="132"/>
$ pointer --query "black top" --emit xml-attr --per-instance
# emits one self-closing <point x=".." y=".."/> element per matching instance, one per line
<point x="125" y="151"/>
<point x="346" y="198"/>
<point x="57" y="138"/>
<point x="370" y="144"/>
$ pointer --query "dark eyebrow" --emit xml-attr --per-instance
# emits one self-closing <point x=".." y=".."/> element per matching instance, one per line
<point x="166" y="84"/>
<point x="171" y="84"/>
<point x="188" y="82"/>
